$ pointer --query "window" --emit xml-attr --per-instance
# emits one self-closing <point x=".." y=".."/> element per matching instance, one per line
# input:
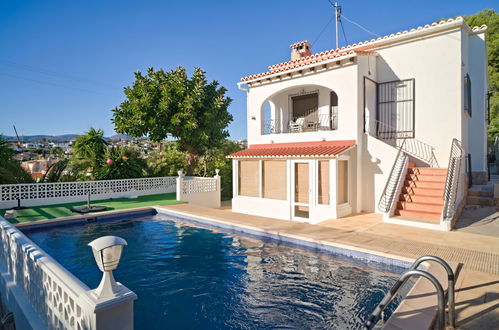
<point x="305" y="106"/>
<point x="274" y="183"/>
<point x="342" y="182"/>
<point x="467" y="94"/>
<point x="333" y="114"/>
<point x="395" y="110"/>
<point x="323" y="182"/>
<point x="249" y="178"/>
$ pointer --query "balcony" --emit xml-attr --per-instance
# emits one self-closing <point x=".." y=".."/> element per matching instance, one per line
<point x="305" y="108"/>
<point x="310" y="121"/>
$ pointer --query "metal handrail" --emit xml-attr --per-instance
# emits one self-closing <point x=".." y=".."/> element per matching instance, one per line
<point x="414" y="147"/>
<point x="451" y="281"/>
<point x="452" y="180"/>
<point x="374" y="318"/>
<point x="386" y="200"/>
<point x="375" y="315"/>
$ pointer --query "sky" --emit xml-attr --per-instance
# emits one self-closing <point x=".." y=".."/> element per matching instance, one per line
<point x="63" y="64"/>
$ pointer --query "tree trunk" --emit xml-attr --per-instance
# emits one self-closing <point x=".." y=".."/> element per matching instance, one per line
<point x="192" y="160"/>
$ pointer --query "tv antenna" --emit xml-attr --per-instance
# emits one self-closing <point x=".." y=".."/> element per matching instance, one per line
<point x="337" y="15"/>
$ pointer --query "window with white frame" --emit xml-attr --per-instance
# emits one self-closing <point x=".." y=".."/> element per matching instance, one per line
<point x="323" y="182"/>
<point x="249" y="178"/>
<point x="274" y="179"/>
<point x="342" y="182"/>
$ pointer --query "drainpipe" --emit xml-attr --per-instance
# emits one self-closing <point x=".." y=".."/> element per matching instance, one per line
<point x="240" y="84"/>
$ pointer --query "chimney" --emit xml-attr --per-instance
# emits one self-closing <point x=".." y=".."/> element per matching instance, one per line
<point x="300" y="49"/>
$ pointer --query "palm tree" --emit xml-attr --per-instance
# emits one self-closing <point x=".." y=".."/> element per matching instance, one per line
<point x="123" y="163"/>
<point x="91" y="146"/>
<point x="10" y="170"/>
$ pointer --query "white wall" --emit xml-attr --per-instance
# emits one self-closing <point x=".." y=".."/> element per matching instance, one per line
<point x="435" y="64"/>
<point x="378" y="158"/>
<point x="477" y="127"/>
<point x="342" y="80"/>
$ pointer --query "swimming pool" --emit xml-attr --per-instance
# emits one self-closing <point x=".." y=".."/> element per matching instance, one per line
<point x="190" y="277"/>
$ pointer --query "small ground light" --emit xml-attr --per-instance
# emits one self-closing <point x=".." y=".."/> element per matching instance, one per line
<point x="107" y="253"/>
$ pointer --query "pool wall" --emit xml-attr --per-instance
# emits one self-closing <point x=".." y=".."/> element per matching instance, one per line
<point x="335" y="249"/>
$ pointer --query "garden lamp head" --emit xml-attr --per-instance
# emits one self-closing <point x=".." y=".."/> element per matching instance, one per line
<point x="107" y="253"/>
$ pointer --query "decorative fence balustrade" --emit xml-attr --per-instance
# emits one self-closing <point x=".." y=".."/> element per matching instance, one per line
<point x="199" y="190"/>
<point x="56" y="296"/>
<point x="193" y="185"/>
<point x="32" y="194"/>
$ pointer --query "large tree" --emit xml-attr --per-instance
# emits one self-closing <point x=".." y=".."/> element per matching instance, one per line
<point x="171" y="104"/>
<point x="490" y="18"/>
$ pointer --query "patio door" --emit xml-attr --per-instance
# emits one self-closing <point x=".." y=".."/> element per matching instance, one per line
<point x="301" y="189"/>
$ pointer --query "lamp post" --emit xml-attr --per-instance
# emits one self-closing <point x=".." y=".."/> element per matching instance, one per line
<point x="107" y="253"/>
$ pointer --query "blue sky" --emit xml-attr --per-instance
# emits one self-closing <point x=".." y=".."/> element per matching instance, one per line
<point x="63" y="64"/>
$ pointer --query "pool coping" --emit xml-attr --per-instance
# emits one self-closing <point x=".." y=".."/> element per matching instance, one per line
<point x="399" y="319"/>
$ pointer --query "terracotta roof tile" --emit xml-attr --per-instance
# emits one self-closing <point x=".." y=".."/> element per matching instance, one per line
<point x="350" y="49"/>
<point x="296" y="149"/>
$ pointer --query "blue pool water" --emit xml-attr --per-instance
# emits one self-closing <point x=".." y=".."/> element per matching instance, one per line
<point x="188" y="277"/>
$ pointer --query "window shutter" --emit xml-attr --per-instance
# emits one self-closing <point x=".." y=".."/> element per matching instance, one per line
<point x="467" y="94"/>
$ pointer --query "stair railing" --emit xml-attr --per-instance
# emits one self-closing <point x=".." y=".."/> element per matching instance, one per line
<point x="452" y="180"/>
<point x="413" y="271"/>
<point x="412" y="146"/>
<point x="391" y="188"/>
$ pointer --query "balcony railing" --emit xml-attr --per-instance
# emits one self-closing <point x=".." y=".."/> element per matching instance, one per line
<point x="309" y="122"/>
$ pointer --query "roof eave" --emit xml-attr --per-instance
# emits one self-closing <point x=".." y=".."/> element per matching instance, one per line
<point x="301" y="68"/>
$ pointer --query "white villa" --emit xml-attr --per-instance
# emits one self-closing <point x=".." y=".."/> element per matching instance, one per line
<point x="389" y="125"/>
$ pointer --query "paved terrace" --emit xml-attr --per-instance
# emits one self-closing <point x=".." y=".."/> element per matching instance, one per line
<point x="477" y="295"/>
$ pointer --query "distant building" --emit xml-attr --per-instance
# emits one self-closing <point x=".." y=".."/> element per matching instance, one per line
<point x="38" y="168"/>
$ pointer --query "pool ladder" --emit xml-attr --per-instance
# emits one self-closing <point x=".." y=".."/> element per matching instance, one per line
<point x="379" y="310"/>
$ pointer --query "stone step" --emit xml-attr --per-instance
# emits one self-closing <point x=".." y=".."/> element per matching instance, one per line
<point x="427" y="170"/>
<point x="482" y="201"/>
<point x="435" y="216"/>
<point x="424" y="191"/>
<point x="424" y="184"/>
<point x="426" y="177"/>
<point x="481" y="191"/>
<point x="417" y="206"/>
<point x="420" y="198"/>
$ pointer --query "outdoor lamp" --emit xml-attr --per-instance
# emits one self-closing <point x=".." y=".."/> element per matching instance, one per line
<point x="107" y="254"/>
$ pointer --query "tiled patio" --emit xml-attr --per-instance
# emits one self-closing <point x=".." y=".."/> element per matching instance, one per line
<point x="477" y="294"/>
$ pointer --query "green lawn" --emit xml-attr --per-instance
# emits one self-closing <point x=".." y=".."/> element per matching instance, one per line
<point x="35" y="213"/>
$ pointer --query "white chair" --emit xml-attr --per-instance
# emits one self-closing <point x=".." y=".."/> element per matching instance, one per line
<point x="297" y="126"/>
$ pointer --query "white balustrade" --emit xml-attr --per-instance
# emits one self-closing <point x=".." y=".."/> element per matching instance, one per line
<point x="33" y="194"/>
<point x="56" y="296"/>
<point x="199" y="190"/>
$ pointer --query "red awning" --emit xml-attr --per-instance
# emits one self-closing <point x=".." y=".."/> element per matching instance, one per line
<point x="296" y="149"/>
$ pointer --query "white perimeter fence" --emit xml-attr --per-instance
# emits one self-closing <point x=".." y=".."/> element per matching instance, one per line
<point x="196" y="190"/>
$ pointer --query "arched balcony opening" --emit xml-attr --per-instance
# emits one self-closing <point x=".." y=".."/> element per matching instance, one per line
<point x="300" y="109"/>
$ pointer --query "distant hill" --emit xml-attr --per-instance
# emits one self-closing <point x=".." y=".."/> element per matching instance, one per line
<point x="61" y="138"/>
<point x="118" y="137"/>
<point x="35" y="138"/>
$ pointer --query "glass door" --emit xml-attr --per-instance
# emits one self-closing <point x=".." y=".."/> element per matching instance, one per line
<point x="301" y="190"/>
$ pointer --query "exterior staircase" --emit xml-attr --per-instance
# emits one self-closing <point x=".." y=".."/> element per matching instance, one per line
<point x="482" y="195"/>
<point x="421" y="198"/>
